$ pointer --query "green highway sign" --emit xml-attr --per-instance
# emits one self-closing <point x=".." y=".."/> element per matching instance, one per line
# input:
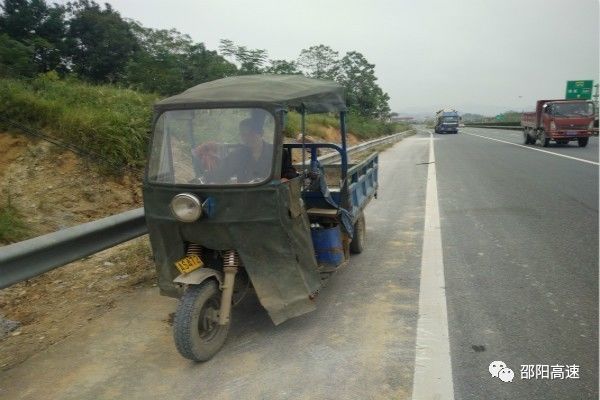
<point x="579" y="90"/>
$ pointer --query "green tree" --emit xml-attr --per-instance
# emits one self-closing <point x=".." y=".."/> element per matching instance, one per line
<point x="21" y="19"/>
<point x="50" y="45"/>
<point x="157" y="64"/>
<point x="101" y="42"/>
<point x="169" y="62"/>
<point x="282" y="67"/>
<point x="251" y="61"/>
<point x="38" y="26"/>
<point x="319" y="62"/>
<point x="203" y="65"/>
<point x="363" y="94"/>
<point x="15" y="58"/>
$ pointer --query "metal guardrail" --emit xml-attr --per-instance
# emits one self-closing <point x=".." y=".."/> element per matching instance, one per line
<point x="29" y="258"/>
<point x="334" y="156"/>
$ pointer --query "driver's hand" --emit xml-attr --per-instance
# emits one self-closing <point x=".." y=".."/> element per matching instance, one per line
<point x="207" y="154"/>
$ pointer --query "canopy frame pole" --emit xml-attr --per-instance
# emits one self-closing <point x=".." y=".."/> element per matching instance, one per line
<point x="169" y="150"/>
<point x="346" y="200"/>
<point x="303" y="128"/>
<point x="343" y="135"/>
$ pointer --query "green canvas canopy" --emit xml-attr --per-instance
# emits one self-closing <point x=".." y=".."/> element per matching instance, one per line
<point x="267" y="91"/>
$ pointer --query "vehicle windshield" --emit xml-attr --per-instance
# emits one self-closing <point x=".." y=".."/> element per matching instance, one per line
<point x="573" y="109"/>
<point x="450" y="119"/>
<point x="212" y="147"/>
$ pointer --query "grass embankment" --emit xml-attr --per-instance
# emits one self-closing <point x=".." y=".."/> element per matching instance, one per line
<point x="104" y="120"/>
<point x="363" y="128"/>
<point x="113" y="123"/>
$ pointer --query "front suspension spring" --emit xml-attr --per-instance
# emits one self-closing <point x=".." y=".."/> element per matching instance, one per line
<point x="231" y="258"/>
<point x="194" y="249"/>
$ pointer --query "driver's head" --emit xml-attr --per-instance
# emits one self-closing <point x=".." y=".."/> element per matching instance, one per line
<point x="250" y="132"/>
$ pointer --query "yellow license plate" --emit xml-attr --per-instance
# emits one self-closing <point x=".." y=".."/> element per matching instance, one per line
<point x="188" y="264"/>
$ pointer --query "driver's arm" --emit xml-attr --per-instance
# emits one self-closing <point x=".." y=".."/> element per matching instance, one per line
<point x="207" y="154"/>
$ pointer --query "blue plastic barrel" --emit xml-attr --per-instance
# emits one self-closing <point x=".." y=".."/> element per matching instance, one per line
<point x="328" y="246"/>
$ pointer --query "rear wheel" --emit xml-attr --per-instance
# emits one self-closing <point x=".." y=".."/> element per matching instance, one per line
<point x="357" y="244"/>
<point x="196" y="331"/>
<point x="533" y="138"/>
<point x="582" y="142"/>
<point x="526" y="137"/>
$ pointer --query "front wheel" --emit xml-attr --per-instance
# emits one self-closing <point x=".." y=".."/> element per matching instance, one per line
<point x="357" y="245"/>
<point x="196" y="331"/>
<point x="582" y="142"/>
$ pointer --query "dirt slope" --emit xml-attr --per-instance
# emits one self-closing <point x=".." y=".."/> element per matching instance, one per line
<point x="54" y="189"/>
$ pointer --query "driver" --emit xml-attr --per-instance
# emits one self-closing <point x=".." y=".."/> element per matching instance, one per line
<point x="250" y="162"/>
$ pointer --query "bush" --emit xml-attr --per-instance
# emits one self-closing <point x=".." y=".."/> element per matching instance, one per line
<point x="316" y="124"/>
<point x="104" y="120"/>
<point x="12" y="226"/>
<point x="369" y="128"/>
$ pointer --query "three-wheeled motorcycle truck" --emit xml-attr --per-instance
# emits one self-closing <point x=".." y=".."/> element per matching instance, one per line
<point x="228" y="211"/>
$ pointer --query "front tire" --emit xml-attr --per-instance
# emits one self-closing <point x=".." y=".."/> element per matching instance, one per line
<point x="197" y="334"/>
<point x="526" y="137"/>
<point x="582" y="142"/>
<point x="357" y="245"/>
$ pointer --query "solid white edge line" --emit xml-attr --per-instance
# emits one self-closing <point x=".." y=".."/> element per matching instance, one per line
<point x="433" y="369"/>
<point x="533" y="148"/>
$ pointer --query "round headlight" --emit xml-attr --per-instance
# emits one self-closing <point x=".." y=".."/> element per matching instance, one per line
<point x="186" y="207"/>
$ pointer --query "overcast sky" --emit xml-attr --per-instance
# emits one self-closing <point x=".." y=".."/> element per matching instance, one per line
<point x="473" y="55"/>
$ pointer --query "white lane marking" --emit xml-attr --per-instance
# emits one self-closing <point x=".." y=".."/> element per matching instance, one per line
<point x="433" y="370"/>
<point x="533" y="148"/>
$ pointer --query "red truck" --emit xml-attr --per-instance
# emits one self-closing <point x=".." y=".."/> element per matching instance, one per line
<point x="559" y="120"/>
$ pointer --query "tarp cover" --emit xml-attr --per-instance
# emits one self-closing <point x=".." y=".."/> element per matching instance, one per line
<point x="266" y="224"/>
<point x="268" y="91"/>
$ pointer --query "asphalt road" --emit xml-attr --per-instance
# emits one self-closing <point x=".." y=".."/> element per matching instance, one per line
<point x="520" y="238"/>
<point x="519" y="255"/>
<point x="589" y="153"/>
